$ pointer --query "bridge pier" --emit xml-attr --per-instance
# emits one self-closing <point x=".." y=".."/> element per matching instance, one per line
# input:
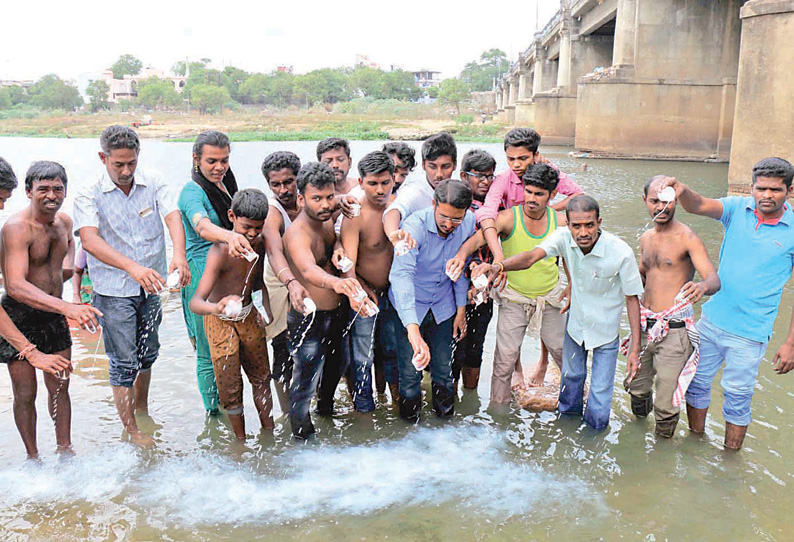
<point x="765" y="89"/>
<point x="668" y="93"/>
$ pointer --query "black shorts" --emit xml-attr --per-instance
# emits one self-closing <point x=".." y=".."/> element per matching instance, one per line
<point x="47" y="330"/>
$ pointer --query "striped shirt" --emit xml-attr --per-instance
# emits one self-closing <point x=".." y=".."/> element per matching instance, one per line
<point x="130" y="224"/>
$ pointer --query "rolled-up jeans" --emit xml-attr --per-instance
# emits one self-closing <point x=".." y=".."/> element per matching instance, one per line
<point x="602" y="381"/>
<point x="313" y="346"/>
<point x="365" y="333"/>
<point x="742" y="357"/>
<point x="438" y="337"/>
<point x="130" y="328"/>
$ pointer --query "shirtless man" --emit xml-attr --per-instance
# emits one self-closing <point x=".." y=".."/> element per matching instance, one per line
<point x="335" y="152"/>
<point x="315" y="338"/>
<point x="367" y="246"/>
<point x="670" y="253"/>
<point x="36" y="257"/>
<point x="280" y="170"/>
<point x="237" y="338"/>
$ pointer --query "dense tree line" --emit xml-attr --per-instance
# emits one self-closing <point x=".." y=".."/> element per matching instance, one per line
<point x="209" y="90"/>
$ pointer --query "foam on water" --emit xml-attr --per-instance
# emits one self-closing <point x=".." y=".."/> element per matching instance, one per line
<point x="462" y="467"/>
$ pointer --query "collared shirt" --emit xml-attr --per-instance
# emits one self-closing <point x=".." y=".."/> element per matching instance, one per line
<point x="194" y="204"/>
<point x="755" y="264"/>
<point x="507" y="191"/>
<point x="131" y="224"/>
<point x="413" y="196"/>
<point x="419" y="281"/>
<point x="600" y="281"/>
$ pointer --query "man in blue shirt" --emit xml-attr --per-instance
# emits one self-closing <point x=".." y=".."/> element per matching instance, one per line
<point x="429" y="311"/>
<point x="755" y="263"/>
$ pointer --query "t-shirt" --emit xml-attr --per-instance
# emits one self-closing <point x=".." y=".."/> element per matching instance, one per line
<point x="195" y="205"/>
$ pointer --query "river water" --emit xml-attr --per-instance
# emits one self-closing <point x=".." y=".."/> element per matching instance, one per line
<point x="524" y="476"/>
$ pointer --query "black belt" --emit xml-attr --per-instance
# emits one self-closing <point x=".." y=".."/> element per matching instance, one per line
<point x="673" y="324"/>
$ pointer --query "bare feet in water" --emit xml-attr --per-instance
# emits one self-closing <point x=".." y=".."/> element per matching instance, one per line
<point x="141" y="439"/>
<point x="518" y="381"/>
<point x="538" y="376"/>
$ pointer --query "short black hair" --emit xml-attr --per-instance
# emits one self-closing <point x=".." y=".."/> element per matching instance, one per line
<point x="477" y="160"/>
<point x="250" y="203"/>
<point x="543" y="176"/>
<point x="453" y="192"/>
<point x="279" y="160"/>
<point x="316" y="174"/>
<point x="523" y="137"/>
<point x="774" y="167"/>
<point x="44" y="171"/>
<point x="582" y="204"/>
<point x="8" y="181"/>
<point x="119" y="137"/>
<point x="331" y="143"/>
<point x="403" y="151"/>
<point x="651" y="181"/>
<point x="440" y="144"/>
<point x="374" y="163"/>
<point x="213" y="138"/>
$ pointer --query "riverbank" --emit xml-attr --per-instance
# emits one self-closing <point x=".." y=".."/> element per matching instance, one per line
<point x="400" y="122"/>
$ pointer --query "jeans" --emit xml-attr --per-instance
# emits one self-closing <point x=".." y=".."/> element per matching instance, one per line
<point x="317" y="357"/>
<point x="741" y="356"/>
<point x="282" y="361"/>
<point x="386" y="343"/>
<point x="195" y="329"/>
<point x="365" y="335"/>
<point x="129" y="327"/>
<point x="602" y="381"/>
<point x="469" y="350"/>
<point x="439" y="339"/>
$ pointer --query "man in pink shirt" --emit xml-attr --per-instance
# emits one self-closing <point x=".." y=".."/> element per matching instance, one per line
<point x="521" y="149"/>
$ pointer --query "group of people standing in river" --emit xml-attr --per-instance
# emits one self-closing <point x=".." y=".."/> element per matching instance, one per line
<point x="343" y="274"/>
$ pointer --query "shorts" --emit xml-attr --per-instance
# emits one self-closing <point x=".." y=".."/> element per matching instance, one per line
<point x="47" y="330"/>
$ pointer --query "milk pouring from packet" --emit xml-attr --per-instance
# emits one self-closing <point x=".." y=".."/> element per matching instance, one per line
<point x="355" y="209"/>
<point x="480" y="282"/>
<point x="250" y="256"/>
<point x="453" y="275"/>
<point x="345" y="264"/>
<point x="479" y="299"/>
<point x="172" y="282"/>
<point x="233" y="308"/>
<point x="401" y="248"/>
<point x="667" y="194"/>
<point x="308" y="305"/>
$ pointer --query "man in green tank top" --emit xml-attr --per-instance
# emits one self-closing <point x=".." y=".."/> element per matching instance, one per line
<point x="533" y="297"/>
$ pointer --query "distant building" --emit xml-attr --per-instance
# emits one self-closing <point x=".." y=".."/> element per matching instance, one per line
<point x="365" y="61"/>
<point x="284" y="69"/>
<point x="126" y="88"/>
<point x="25" y="83"/>
<point x="427" y="78"/>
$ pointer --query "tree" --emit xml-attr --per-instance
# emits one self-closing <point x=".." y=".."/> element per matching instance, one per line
<point x="282" y="86"/>
<point x="179" y="68"/>
<point x="481" y="73"/>
<point x="255" y="89"/>
<point x="5" y="98"/>
<point x="156" y="93"/>
<point x="51" y="92"/>
<point x="232" y="78"/>
<point x="126" y="65"/>
<point x="98" y="94"/>
<point x="18" y="94"/>
<point x="209" y="98"/>
<point x="453" y="92"/>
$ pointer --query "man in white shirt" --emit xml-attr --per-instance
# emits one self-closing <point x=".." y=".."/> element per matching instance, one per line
<point x="118" y="219"/>
<point x="604" y="273"/>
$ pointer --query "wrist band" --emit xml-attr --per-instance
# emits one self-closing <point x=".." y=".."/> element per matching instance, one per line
<point x="502" y="267"/>
<point x="485" y="229"/>
<point x="278" y="275"/>
<point x="27" y="350"/>
<point x="290" y="280"/>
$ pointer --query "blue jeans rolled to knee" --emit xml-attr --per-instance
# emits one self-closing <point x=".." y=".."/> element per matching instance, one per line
<point x="364" y="336"/>
<point x="741" y="356"/>
<point x="386" y="342"/>
<point x="602" y="381"/>
<point x="438" y="337"/>
<point x="469" y="350"/>
<point x="312" y="347"/>
<point x="130" y="329"/>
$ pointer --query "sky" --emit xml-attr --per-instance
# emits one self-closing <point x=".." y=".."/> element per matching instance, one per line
<point x="46" y="36"/>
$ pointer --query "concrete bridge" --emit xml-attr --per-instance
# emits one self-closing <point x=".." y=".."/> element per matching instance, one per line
<point x="672" y="79"/>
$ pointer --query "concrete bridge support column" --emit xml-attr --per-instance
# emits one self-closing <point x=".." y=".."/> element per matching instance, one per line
<point x="764" y="117"/>
<point x="512" y="97"/>
<point x="669" y="93"/>
<point x="525" y="108"/>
